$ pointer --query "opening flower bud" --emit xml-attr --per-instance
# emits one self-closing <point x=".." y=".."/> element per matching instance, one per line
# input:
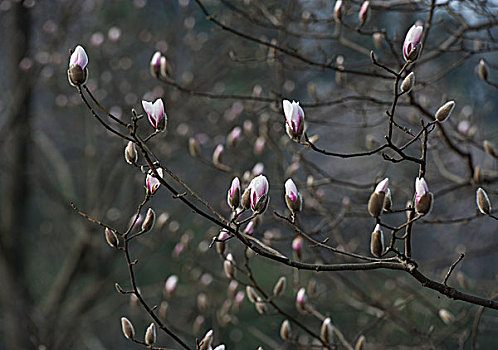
<point x="301" y="299"/>
<point x="206" y="342"/>
<point x="149" y="221"/>
<point x="293" y="198"/>
<point x="423" y="198"/>
<point x="377" y="242"/>
<point x="127" y="328"/>
<point x="412" y="45"/>
<point x="294" y="120"/>
<point x="111" y="238"/>
<point x="408" y="83"/>
<point x="376" y="200"/>
<point x="285" y="330"/>
<point x="297" y="246"/>
<point x="77" y="73"/>
<point x="155" y="112"/>
<point x="150" y="334"/>
<point x="483" y="202"/>
<point x="259" y="194"/>
<point x="233" y="196"/>
<point x="152" y="183"/>
<point x="444" y="111"/>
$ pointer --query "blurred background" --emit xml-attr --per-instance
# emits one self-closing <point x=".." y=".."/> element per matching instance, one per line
<point x="58" y="274"/>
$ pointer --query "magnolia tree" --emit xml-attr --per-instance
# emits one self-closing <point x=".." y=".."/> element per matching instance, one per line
<point x="367" y="159"/>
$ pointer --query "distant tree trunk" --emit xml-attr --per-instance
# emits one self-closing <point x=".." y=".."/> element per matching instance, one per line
<point x="13" y="292"/>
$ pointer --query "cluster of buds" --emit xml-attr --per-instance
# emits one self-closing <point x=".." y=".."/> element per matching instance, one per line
<point x="377" y="242"/>
<point x="293" y="198"/>
<point x="77" y="73"/>
<point x="412" y="45"/>
<point x="155" y="111"/>
<point x="294" y="120"/>
<point x="423" y="198"/>
<point x="152" y="183"/>
<point x="256" y="195"/>
<point x="379" y="198"/>
<point x="158" y="65"/>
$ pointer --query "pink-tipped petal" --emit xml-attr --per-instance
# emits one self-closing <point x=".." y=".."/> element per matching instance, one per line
<point x="78" y="58"/>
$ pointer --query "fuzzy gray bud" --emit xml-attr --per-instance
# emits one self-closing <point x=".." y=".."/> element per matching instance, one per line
<point x="150" y="334"/>
<point x="150" y="218"/>
<point x="408" y="83"/>
<point x="483" y="202"/>
<point x="127" y="328"/>
<point x="444" y="111"/>
<point x="285" y="330"/>
<point x="279" y="286"/>
<point x="377" y="242"/>
<point x="130" y="153"/>
<point x="111" y="238"/>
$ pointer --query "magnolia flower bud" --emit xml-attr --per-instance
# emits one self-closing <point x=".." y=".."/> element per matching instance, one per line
<point x="301" y="299"/>
<point x="482" y="70"/>
<point x="377" y="40"/>
<point x="294" y="120"/>
<point x="206" y="342"/>
<point x="259" y="194"/>
<point x="483" y="202"/>
<point x="149" y="221"/>
<point x="488" y="148"/>
<point x="193" y="147"/>
<point x="408" y="83"/>
<point x="234" y="136"/>
<point x="362" y="15"/>
<point x="222" y="237"/>
<point x="446" y="316"/>
<point x="170" y="285"/>
<point x="337" y="10"/>
<point x="360" y="343"/>
<point x="233" y="196"/>
<point x="444" y="111"/>
<point x="77" y="73"/>
<point x="297" y="246"/>
<point x="251" y="294"/>
<point x="377" y="242"/>
<point x="279" y="286"/>
<point x="411" y="45"/>
<point x="111" y="238"/>
<point x="163" y="68"/>
<point x="388" y="200"/>
<point x="155" y="111"/>
<point x="155" y="64"/>
<point x="228" y="266"/>
<point x="261" y="307"/>
<point x="423" y="198"/>
<point x="376" y="200"/>
<point x="249" y="229"/>
<point x="326" y="331"/>
<point x="293" y="198"/>
<point x="152" y="183"/>
<point x="285" y="330"/>
<point x="127" y="328"/>
<point x="150" y="334"/>
<point x="218" y="151"/>
<point x="130" y="153"/>
<point x="245" y="202"/>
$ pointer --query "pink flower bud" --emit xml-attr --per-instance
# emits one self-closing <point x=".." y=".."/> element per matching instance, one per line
<point x="362" y="15"/>
<point x="293" y="198"/>
<point x="423" y="198"/>
<point x="218" y="151"/>
<point x="259" y="146"/>
<point x="170" y="285"/>
<point x="412" y="41"/>
<point x="249" y="228"/>
<point x="382" y="186"/>
<point x="301" y="298"/>
<point x="294" y="119"/>
<point x="155" y="64"/>
<point x="78" y="58"/>
<point x="259" y="193"/>
<point x="152" y="183"/>
<point x="258" y="169"/>
<point x="234" y="136"/>
<point x="297" y="244"/>
<point x="233" y="196"/>
<point x="156" y="114"/>
<point x="77" y="73"/>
